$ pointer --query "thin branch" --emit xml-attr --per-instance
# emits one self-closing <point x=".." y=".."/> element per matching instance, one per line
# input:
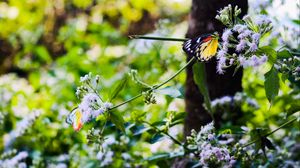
<point x="295" y="53"/>
<point x="157" y="38"/>
<point x="165" y="133"/>
<point x="283" y="125"/>
<point x="156" y="86"/>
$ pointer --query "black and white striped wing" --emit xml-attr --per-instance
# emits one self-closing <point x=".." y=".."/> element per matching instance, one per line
<point x="191" y="46"/>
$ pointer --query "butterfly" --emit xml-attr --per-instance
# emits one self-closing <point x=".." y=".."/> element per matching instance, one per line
<point x="203" y="47"/>
<point x="75" y="119"/>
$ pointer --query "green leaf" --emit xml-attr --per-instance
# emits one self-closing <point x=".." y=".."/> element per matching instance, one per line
<point x="138" y="116"/>
<point x="268" y="143"/>
<point x="159" y="123"/>
<point x="119" y="88"/>
<point x="170" y="91"/>
<point x="118" y="120"/>
<point x="179" y="116"/>
<point x="294" y="108"/>
<point x="225" y="131"/>
<point x="156" y="137"/>
<point x="270" y="52"/>
<point x="271" y="84"/>
<point x="158" y="156"/>
<point x="284" y="54"/>
<point x="200" y="80"/>
<point x="284" y="77"/>
<point x="257" y="134"/>
<point x="297" y="21"/>
<point x="140" y="129"/>
<point x="43" y="54"/>
<point x="231" y="130"/>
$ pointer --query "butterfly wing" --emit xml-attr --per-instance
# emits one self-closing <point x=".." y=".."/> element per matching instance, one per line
<point x="191" y="45"/>
<point x="204" y="47"/>
<point x="208" y="49"/>
<point x="75" y="119"/>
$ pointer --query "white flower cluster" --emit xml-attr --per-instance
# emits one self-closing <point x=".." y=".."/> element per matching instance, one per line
<point x="107" y="154"/>
<point x="259" y="4"/>
<point x="290" y="67"/>
<point x="21" y="128"/>
<point x="235" y="100"/>
<point x="216" y="156"/>
<point x="240" y="41"/>
<point x="106" y="158"/>
<point x="91" y="104"/>
<point x="16" y="161"/>
<point x="212" y="153"/>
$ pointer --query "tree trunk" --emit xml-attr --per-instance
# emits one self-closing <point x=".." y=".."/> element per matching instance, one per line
<point x="201" y="21"/>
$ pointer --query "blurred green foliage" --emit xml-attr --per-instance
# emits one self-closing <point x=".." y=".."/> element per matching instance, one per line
<point x="47" y="45"/>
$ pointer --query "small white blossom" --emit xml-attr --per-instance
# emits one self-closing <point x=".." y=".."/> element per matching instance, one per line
<point x="98" y="112"/>
<point x="246" y="17"/>
<point x="207" y="128"/>
<point x="21" y="128"/>
<point x="107" y="105"/>
<point x="85" y="78"/>
<point x="15" y="161"/>
<point x="90" y="98"/>
<point x="106" y="158"/>
<point x="126" y="156"/>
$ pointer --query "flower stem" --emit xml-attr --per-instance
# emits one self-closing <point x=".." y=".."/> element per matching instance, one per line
<point x="295" y="53"/>
<point x="157" y="38"/>
<point x="165" y="133"/>
<point x="156" y="86"/>
<point x="281" y="126"/>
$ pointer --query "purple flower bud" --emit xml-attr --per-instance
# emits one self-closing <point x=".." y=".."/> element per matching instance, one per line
<point x="255" y="61"/>
<point x="243" y="61"/>
<point x="241" y="46"/>
<point x="252" y="47"/>
<point x="231" y="61"/>
<point x="262" y="19"/>
<point x="226" y="34"/>
<point x="244" y="34"/>
<point x="221" y="54"/>
<point x="256" y="37"/>
<point x="239" y="28"/>
<point x="210" y="137"/>
<point x="264" y="59"/>
<point x="220" y="69"/>
<point x="225" y="46"/>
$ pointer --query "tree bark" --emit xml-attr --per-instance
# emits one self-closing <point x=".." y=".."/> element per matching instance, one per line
<point x="201" y="21"/>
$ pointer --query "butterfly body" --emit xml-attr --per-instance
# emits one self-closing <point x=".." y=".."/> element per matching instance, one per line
<point x="203" y="47"/>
